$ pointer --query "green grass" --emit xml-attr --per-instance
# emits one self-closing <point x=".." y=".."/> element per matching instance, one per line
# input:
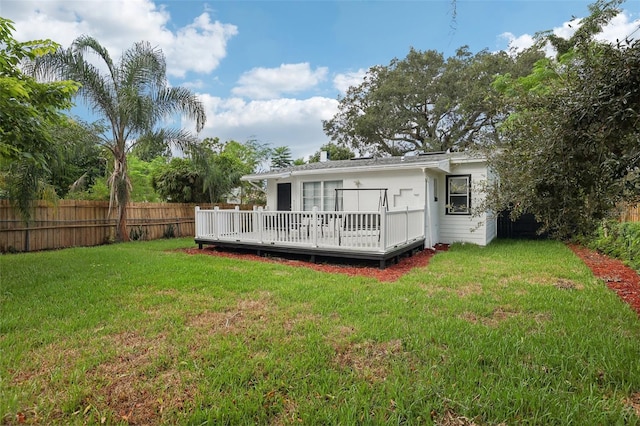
<point x="517" y="332"/>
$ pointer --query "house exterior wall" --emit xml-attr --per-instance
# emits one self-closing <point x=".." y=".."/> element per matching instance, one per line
<point x="477" y="229"/>
<point x="405" y="188"/>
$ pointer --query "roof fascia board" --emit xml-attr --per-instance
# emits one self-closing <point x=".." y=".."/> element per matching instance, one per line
<point x="443" y="165"/>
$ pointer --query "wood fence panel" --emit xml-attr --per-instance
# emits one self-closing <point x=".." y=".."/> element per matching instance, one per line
<point x="630" y="213"/>
<point x="72" y="223"/>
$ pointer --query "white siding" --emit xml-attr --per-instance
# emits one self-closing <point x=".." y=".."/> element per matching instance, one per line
<point x="476" y="229"/>
<point x="405" y="188"/>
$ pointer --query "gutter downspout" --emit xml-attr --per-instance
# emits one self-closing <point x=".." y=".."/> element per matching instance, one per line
<point x="259" y="188"/>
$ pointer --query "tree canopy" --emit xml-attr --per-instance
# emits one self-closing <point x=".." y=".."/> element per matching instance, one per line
<point x="79" y="158"/>
<point x="180" y="182"/>
<point x="28" y="110"/>
<point x="281" y="157"/>
<point x="423" y="102"/>
<point x="571" y="146"/>
<point x="334" y="152"/>
<point x="211" y="172"/>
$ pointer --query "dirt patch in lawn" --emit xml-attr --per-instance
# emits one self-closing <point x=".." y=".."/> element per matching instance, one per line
<point x="391" y="273"/>
<point x="247" y="313"/>
<point x="370" y="360"/>
<point x="498" y="315"/>
<point x="142" y="382"/>
<point x="566" y="284"/>
<point x="633" y="402"/>
<point x="451" y="418"/>
<point x="620" y="278"/>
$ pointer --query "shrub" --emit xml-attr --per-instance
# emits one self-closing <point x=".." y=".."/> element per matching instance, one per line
<point x="620" y="240"/>
<point x="169" y="232"/>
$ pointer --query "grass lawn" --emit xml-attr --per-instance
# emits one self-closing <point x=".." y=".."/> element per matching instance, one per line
<point x="517" y="332"/>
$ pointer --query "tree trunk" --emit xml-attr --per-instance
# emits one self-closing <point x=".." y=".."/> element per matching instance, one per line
<point x="122" y="194"/>
<point x="122" y="234"/>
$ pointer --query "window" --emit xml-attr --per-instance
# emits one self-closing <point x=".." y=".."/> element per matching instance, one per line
<point x="320" y="194"/>
<point x="459" y="194"/>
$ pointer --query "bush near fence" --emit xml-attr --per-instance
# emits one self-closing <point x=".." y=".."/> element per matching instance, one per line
<point x="72" y="223"/>
<point x="620" y="240"/>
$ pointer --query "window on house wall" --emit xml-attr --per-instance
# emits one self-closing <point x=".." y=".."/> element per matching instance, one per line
<point x="459" y="194"/>
<point x="320" y="194"/>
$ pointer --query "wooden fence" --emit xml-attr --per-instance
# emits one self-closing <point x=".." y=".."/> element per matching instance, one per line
<point x="72" y="223"/>
<point x="630" y="213"/>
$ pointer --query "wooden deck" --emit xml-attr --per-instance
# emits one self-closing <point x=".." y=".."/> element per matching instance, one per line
<point x="376" y="236"/>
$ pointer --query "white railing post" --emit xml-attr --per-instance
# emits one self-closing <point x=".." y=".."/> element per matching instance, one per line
<point x="314" y="223"/>
<point x="215" y="222"/>
<point x="236" y="221"/>
<point x="383" y="228"/>
<point x="257" y="225"/>
<point x="197" y="222"/>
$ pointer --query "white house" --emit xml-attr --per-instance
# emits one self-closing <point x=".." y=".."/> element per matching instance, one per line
<point x="370" y="208"/>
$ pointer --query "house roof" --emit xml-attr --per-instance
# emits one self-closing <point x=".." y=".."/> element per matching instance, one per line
<point x="441" y="161"/>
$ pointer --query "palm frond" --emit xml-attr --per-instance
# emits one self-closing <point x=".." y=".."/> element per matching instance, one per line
<point x="85" y="43"/>
<point x="144" y="67"/>
<point x="171" y="100"/>
<point x="171" y="137"/>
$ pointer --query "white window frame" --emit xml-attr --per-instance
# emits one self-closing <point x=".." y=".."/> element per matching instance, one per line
<point x="458" y="195"/>
<point x="324" y="201"/>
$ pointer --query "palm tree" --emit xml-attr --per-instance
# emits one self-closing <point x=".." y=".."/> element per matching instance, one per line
<point x="133" y="96"/>
<point x="281" y="157"/>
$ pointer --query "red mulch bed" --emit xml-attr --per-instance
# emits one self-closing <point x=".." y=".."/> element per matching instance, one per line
<point x="618" y="277"/>
<point x="391" y="273"/>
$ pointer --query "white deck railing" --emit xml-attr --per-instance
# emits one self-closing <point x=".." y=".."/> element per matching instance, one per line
<point x="362" y="231"/>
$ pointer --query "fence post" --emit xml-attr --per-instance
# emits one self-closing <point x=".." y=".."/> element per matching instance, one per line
<point x="27" y="237"/>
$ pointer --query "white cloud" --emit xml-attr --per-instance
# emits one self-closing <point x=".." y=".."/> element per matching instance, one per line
<point x="620" y="27"/>
<point x="269" y="83"/>
<point x="198" y="47"/>
<point x="517" y="43"/>
<point x="617" y="29"/>
<point x="342" y="82"/>
<point x="117" y="24"/>
<point x="296" y="123"/>
<point x="193" y="84"/>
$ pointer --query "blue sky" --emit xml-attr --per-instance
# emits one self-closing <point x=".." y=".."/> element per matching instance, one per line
<point x="273" y="70"/>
